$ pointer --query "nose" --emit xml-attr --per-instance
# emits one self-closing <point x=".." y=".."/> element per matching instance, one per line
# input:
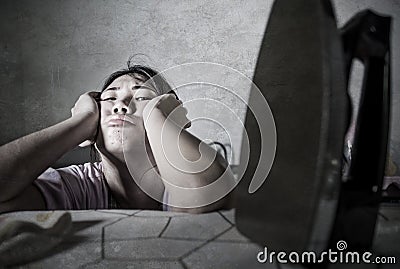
<point x="122" y="107"/>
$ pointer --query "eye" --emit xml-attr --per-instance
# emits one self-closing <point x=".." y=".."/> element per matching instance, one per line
<point x="142" y="98"/>
<point x="109" y="99"/>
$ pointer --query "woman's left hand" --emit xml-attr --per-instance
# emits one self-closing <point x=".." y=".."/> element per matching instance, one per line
<point x="170" y="108"/>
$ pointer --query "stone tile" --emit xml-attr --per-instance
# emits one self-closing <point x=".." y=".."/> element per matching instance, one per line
<point x="233" y="235"/>
<point x="387" y="232"/>
<point x="158" y="248"/>
<point x="391" y="212"/>
<point x="106" y="264"/>
<point x="69" y="256"/>
<point x="226" y="255"/>
<point x="159" y="213"/>
<point x="135" y="227"/>
<point x="202" y="226"/>
<point x="127" y="212"/>
<point x="79" y="215"/>
<point x="229" y="214"/>
<point x="88" y="225"/>
<point x="43" y="218"/>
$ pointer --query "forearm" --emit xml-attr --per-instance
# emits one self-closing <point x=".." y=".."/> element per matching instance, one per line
<point x="24" y="159"/>
<point x="201" y="200"/>
<point x="194" y="175"/>
<point x="180" y="156"/>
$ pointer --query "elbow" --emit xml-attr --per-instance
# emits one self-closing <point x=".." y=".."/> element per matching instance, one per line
<point x="224" y="203"/>
<point x="199" y="200"/>
<point x="222" y="192"/>
<point x="205" y="192"/>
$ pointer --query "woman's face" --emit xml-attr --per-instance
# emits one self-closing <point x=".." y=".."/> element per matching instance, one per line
<point x="121" y="115"/>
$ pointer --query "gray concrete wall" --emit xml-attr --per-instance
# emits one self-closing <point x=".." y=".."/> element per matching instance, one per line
<point x="52" y="51"/>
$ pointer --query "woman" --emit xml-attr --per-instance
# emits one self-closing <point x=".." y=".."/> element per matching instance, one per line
<point x="148" y="159"/>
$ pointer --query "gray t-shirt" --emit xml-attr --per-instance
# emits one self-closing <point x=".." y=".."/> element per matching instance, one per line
<point x="76" y="187"/>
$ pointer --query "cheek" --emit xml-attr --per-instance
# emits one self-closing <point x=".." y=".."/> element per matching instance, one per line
<point x="105" y="110"/>
<point x="139" y="108"/>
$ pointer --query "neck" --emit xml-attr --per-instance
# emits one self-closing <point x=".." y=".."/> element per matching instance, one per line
<point x="123" y="180"/>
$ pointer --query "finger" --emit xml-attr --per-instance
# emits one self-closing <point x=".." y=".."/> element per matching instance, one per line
<point x="172" y="100"/>
<point x="94" y="95"/>
<point x="188" y="125"/>
<point x="168" y="96"/>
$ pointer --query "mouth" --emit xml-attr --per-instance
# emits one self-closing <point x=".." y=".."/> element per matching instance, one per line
<point x="120" y="121"/>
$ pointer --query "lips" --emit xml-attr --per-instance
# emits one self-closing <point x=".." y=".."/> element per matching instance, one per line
<point x="120" y="121"/>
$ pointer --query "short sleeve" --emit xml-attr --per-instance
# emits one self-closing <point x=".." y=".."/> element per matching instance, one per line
<point x="74" y="187"/>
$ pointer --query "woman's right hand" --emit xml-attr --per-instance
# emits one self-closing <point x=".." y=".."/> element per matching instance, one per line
<point x="87" y="106"/>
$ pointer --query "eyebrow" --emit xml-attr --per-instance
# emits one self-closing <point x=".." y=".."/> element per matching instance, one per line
<point x="111" y="89"/>
<point x="136" y="87"/>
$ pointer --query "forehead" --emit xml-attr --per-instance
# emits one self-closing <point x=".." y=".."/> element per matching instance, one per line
<point x="130" y="81"/>
<point x="135" y="79"/>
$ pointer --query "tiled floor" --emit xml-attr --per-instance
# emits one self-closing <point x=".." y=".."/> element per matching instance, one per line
<point x="156" y="239"/>
<point x="147" y="239"/>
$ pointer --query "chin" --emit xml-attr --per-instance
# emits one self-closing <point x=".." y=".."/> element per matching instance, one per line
<point x="118" y="141"/>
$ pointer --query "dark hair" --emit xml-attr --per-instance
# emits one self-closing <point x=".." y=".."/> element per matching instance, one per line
<point x="160" y="84"/>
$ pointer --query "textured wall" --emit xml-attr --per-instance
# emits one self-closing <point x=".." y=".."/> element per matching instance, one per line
<point x="53" y="51"/>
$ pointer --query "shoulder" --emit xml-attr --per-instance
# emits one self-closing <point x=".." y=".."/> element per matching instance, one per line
<point x="80" y="186"/>
<point x="74" y="175"/>
<point x="83" y="171"/>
